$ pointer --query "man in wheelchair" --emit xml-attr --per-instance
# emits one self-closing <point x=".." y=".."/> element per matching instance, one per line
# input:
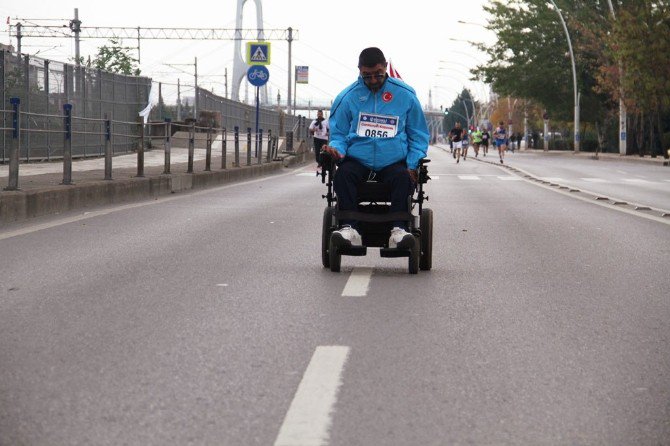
<point x="377" y="132"/>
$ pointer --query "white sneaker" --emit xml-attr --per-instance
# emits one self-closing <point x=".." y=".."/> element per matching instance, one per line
<point x="348" y="234"/>
<point x="399" y="237"/>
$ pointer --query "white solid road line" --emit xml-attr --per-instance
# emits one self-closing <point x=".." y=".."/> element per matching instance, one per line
<point x="358" y="282"/>
<point x="309" y="417"/>
<point x="595" y="180"/>
<point x="597" y="203"/>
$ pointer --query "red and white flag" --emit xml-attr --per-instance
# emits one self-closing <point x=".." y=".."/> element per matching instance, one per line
<point x="393" y="72"/>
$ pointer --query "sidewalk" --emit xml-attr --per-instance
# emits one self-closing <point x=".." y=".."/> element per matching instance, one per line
<point x="586" y="155"/>
<point x="41" y="192"/>
<point x="601" y="156"/>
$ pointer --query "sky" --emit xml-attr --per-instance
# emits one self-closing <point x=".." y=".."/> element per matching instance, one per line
<point x="417" y="36"/>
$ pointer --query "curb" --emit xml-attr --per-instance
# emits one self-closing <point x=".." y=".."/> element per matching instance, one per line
<point x="16" y="206"/>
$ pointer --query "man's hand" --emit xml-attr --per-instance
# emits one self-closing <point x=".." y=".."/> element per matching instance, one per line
<point x="413" y="175"/>
<point x="332" y="152"/>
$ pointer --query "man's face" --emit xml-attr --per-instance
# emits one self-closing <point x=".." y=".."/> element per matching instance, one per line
<point x="374" y="76"/>
<point x="319" y="114"/>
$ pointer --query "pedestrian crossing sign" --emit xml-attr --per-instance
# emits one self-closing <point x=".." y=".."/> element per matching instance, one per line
<point x="258" y="53"/>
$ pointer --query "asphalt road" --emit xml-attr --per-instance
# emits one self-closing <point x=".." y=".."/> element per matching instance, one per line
<point x="207" y="319"/>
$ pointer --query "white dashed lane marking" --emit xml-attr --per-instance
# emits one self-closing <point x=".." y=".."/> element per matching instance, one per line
<point x="358" y="282"/>
<point x="309" y="417"/>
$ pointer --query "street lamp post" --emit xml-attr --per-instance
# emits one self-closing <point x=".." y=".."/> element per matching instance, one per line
<point x="574" y="75"/>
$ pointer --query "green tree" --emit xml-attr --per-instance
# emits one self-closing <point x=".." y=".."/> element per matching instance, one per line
<point x="115" y="58"/>
<point x="530" y="59"/>
<point x="639" y="43"/>
<point x="463" y="107"/>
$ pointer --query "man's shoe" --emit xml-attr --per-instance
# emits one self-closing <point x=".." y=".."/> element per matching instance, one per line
<point x="400" y="238"/>
<point x="347" y="236"/>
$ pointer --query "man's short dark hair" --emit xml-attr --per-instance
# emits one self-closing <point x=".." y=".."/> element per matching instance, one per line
<point x="370" y="57"/>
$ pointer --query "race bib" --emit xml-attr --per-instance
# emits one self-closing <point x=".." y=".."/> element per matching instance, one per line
<point x="377" y="126"/>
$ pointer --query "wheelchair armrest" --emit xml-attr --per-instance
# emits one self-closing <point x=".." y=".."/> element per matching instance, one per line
<point x="423" y="171"/>
<point x="327" y="161"/>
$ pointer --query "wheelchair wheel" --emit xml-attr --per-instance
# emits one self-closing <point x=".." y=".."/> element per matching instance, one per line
<point x="426" y="226"/>
<point x="325" y="235"/>
<point x="414" y="257"/>
<point x="334" y="258"/>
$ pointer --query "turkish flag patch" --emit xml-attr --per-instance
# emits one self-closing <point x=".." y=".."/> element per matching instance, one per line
<point x="387" y="96"/>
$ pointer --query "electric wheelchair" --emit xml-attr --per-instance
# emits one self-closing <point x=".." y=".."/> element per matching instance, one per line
<point x="375" y="220"/>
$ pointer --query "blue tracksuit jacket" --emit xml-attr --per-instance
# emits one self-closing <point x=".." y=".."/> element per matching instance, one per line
<point x="394" y="99"/>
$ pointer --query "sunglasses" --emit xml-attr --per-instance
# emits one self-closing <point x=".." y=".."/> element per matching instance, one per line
<point x="368" y="77"/>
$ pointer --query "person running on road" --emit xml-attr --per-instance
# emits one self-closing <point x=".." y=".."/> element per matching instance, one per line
<point x="319" y="129"/>
<point x="465" y="143"/>
<point x="500" y="135"/>
<point x="486" y="139"/>
<point x="456" y="135"/>
<point x="476" y="141"/>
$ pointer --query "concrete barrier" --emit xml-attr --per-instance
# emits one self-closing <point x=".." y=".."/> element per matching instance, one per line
<point x="16" y="206"/>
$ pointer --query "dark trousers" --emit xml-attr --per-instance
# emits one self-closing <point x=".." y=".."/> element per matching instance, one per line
<point x="318" y="143"/>
<point x="350" y="173"/>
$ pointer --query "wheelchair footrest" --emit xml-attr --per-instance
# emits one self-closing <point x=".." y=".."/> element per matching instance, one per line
<point x="394" y="252"/>
<point x="353" y="250"/>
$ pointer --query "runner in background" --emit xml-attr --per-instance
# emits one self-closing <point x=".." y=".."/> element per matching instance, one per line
<point x="476" y="141"/>
<point x="500" y="135"/>
<point x="320" y="131"/>
<point x="465" y="143"/>
<point x="456" y="136"/>
<point x="486" y="139"/>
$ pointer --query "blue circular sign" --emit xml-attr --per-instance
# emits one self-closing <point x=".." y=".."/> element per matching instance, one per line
<point x="258" y="75"/>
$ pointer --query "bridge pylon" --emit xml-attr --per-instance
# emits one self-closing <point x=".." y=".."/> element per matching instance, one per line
<point x="239" y="64"/>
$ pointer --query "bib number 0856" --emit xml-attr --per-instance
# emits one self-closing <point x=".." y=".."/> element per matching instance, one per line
<point x="376" y="133"/>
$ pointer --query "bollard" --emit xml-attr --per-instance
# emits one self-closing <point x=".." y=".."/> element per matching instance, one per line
<point x="13" y="183"/>
<point x="224" y="148"/>
<point x="140" y="149"/>
<point x="259" y="146"/>
<point x="168" y="135"/>
<point x="108" y="148"/>
<point x="67" y="146"/>
<point x="289" y="142"/>
<point x="269" y="151"/>
<point x="248" y="146"/>
<point x="237" y="147"/>
<point x="191" y="147"/>
<point x="208" y="150"/>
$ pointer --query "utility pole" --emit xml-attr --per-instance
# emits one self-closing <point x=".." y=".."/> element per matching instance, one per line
<point x="178" y="100"/>
<point x="75" y="27"/>
<point x="290" y="69"/>
<point x="623" y="118"/>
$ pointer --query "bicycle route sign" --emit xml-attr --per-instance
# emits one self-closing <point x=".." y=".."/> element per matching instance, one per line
<point x="258" y="75"/>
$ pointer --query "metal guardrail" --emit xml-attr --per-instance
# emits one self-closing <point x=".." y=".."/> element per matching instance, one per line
<point x="107" y="126"/>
